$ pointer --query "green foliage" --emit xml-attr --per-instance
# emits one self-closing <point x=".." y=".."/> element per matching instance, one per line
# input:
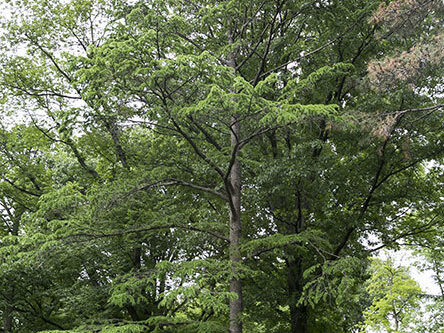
<point x="395" y="298"/>
<point x="126" y="124"/>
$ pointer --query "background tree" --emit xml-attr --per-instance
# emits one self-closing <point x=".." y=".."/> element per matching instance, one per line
<point x="395" y="298"/>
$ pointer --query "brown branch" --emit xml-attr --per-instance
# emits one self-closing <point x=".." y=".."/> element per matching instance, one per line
<point x="135" y="231"/>
<point x="174" y="182"/>
<point x="71" y="145"/>
<point x="431" y="109"/>
<point x="52" y="59"/>
<point x="253" y="51"/>
<point x="415" y="231"/>
<point x="365" y="205"/>
<point x="20" y="188"/>
<point x="267" y="47"/>
<point x="169" y="182"/>
<point x="252" y="17"/>
<point x="207" y="135"/>
<point x="197" y="150"/>
<point x="202" y="49"/>
<point x="320" y="48"/>
<point x="41" y="93"/>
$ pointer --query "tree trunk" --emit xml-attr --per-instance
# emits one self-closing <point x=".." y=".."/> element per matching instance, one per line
<point x="298" y="313"/>
<point x="8" y="315"/>
<point x="235" y="235"/>
<point x="7" y="321"/>
<point x="395" y="317"/>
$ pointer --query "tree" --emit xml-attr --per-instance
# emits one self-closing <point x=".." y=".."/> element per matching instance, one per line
<point x="212" y="145"/>
<point x="395" y="298"/>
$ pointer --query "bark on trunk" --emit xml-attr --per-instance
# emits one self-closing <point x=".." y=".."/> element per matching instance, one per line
<point x="298" y="313"/>
<point x="235" y="235"/>
<point x="7" y="322"/>
<point x="8" y="315"/>
<point x="114" y="131"/>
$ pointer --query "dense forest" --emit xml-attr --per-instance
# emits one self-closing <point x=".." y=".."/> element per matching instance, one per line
<point x="213" y="166"/>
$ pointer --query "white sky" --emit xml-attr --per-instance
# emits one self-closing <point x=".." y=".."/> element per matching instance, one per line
<point x="407" y="259"/>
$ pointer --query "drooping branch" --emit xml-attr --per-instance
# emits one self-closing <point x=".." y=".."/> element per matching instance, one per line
<point x="20" y="188"/>
<point x="139" y="230"/>
<point x="176" y="182"/>
<point x="166" y="183"/>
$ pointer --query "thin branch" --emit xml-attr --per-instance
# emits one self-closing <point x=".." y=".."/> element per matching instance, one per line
<point x="375" y="185"/>
<point x="174" y="182"/>
<point x="320" y="48"/>
<point x="42" y="93"/>
<point x="71" y="145"/>
<point x="20" y="188"/>
<point x="169" y="182"/>
<point x="202" y="49"/>
<point x="136" y="231"/>
<point x="207" y="135"/>
<point x="253" y="51"/>
<point x="431" y="109"/>
<point x="267" y="47"/>
<point x="256" y="133"/>
<point x="197" y="150"/>
<point x="52" y="59"/>
<point x="415" y="231"/>
<point x="244" y="26"/>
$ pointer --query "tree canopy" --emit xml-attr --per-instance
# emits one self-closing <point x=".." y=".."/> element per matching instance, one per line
<point x="204" y="166"/>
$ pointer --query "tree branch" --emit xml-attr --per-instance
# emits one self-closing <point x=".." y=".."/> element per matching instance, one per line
<point x="135" y="231"/>
<point x="197" y="150"/>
